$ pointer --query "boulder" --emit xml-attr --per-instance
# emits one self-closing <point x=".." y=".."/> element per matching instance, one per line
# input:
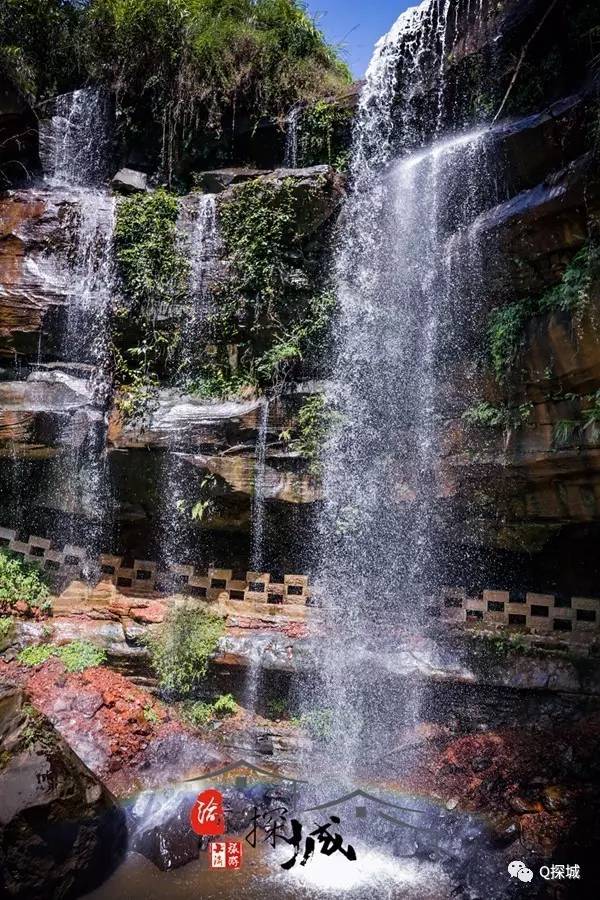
<point x="218" y="180"/>
<point x="61" y="834"/>
<point x="130" y="181"/>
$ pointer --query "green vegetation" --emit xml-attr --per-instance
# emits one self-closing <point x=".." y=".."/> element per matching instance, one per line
<point x="21" y="581"/>
<point x="7" y="629"/>
<point x="36" y="732"/>
<point x="190" y="66"/>
<point x="277" y="708"/>
<point x="183" y="70"/>
<point x="325" y="134"/>
<point x="150" y="715"/>
<point x="154" y="274"/>
<point x="312" y="427"/>
<point x="275" y="324"/>
<point x="38" y="40"/>
<point x="565" y="430"/>
<point x="486" y="415"/>
<point x="201" y="713"/>
<point x="504" y="644"/>
<point x="318" y="722"/>
<point x="75" y="655"/>
<point x="181" y="650"/>
<point x="507" y="323"/>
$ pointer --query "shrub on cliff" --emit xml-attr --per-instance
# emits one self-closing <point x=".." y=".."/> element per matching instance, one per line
<point x="269" y="307"/>
<point x="181" y="650"/>
<point x="21" y="581"/>
<point x="200" y="713"/>
<point x="75" y="655"/>
<point x="154" y="278"/>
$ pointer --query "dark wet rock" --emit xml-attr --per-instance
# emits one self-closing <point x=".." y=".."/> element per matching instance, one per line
<point x="30" y="225"/>
<point x="536" y="225"/>
<point x="218" y="180"/>
<point x="130" y="181"/>
<point x="60" y="832"/>
<point x="159" y="828"/>
<point x="191" y="420"/>
<point x="543" y="142"/>
<point x="48" y="410"/>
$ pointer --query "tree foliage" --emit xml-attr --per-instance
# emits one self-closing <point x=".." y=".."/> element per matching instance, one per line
<point x="39" y="45"/>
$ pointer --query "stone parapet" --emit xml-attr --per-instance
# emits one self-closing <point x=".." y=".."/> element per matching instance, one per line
<point x="145" y="577"/>
<point x="540" y="613"/>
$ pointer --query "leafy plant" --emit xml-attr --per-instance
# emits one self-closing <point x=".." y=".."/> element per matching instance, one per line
<point x="277" y="708"/>
<point x="325" y="134"/>
<point x="312" y="427"/>
<point x="7" y="629"/>
<point x="181" y="650"/>
<point x="276" y="320"/>
<point x="506" y="324"/>
<point x="154" y="274"/>
<point x="591" y="416"/>
<point x="79" y="655"/>
<point x="150" y="715"/>
<point x="75" y="655"/>
<point x="22" y="581"/>
<point x="505" y="329"/>
<point x="486" y="415"/>
<point x="225" y="705"/>
<point x="201" y="713"/>
<point x="198" y="714"/>
<point x="565" y="430"/>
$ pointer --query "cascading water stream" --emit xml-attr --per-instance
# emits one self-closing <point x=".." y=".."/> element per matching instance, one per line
<point x="198" y="232"/>
<point x="259" y="495"/>
<point x="257" y="560"/>
<point x="403" y="299"/>
<point x="75" y="145"/>
<point x="292" y="135"/>
<point x="85" y="346"/>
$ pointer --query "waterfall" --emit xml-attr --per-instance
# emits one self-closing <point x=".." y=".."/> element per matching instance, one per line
<point x="259" y="495"/>
<point x="75" y="143"/>
<point x="75" y="147"/>
<point x="292" y="129"/>
<point x="79" y="478"/>
<point x="199" y="237"/>
<point x="403" y="297"/>
<point x="252" y="681"/>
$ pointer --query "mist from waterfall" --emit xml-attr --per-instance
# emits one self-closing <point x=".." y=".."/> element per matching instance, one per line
<point x="403" y="293"/>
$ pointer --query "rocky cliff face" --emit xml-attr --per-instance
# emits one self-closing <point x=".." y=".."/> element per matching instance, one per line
<point x="50" y="396"/>
<point x="523" y="479"/>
